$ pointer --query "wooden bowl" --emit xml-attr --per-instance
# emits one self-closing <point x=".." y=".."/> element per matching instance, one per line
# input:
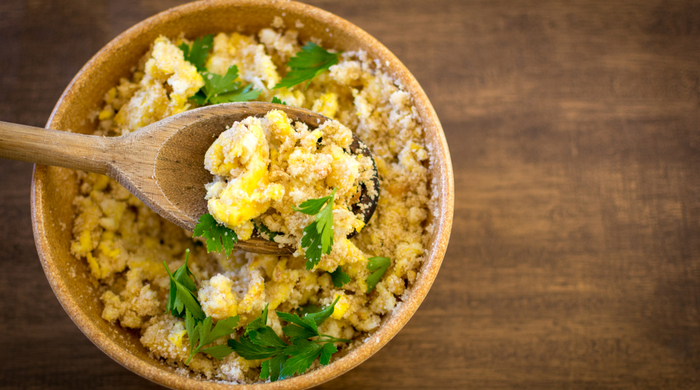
<point x="53" y="189"/>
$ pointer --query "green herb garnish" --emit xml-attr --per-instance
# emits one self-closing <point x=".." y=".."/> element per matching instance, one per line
<point x="305" y="345"/>
<point x="217" y="89"/>
<point x="202" y="333"/>
<point x="310" y="308"/>
<point x="307" y="64"/>
<point x="378" y="266"/>
<point x="339" y="277"/>
<point x="276" y="100"/>
<point x="183" y="303"/>
<point x="224" y="89"/>
<point x="197" y="54"/>
<point x="182" y="292"/>
<point x="318" y="235"/>
<point x="218" y="237"/>
<point x="263" y="230"/>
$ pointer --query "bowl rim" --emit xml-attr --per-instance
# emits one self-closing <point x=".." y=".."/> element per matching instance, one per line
<point x="390" y="326"/>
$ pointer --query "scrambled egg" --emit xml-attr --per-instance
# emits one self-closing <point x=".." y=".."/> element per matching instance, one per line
<point x="239" y="158"/>
<point x="166" y="69"/>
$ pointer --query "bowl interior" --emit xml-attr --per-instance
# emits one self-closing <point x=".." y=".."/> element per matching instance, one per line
<point x="54" y="188"/>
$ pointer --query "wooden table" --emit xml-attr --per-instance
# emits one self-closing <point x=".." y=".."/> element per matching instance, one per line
<point x="574" y="130"/>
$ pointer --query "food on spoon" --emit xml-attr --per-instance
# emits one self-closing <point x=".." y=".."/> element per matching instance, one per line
<point x="265" y="167"/>
<point x="362" y="278"/>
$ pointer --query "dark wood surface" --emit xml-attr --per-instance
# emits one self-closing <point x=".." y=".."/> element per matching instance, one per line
<point x="574" y="130"/>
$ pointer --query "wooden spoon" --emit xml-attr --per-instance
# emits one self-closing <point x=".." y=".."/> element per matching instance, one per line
<point x="162" y="164"/>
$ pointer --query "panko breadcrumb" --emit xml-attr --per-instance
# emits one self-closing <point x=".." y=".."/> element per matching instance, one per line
<point x="125" y="243"/>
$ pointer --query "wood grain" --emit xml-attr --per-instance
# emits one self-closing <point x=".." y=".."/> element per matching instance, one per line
<point x="53" y="147"/>
<point x="575" y="254"/>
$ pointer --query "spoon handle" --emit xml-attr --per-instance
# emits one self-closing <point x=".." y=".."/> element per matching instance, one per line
<point x="51" y="147"/>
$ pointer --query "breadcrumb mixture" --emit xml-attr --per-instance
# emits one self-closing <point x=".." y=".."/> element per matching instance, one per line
<point x="125" y="243"/>
<point x="267" y="166"/>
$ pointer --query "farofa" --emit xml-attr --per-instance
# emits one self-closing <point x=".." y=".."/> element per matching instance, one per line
<point x="265" y="167"/>
<point x="124" y="242"/>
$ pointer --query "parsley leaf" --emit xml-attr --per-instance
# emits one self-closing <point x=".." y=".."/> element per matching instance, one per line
<point x="221" y="329"/>
<point x="266" y="337"/>
<point x="307" y="64"/>
<point x="286" y="360"/>
<point x="199" y="51"/>
<point x="265" y="232"/>
<point x="339" y="277"/>
<point x="326" y="352"/>
<point x="307" y="326"/>
<point x="218" y="351"/>
<point x="313" y="206"/>
<point x="378" y="265"/>
<point x="272" y="368"/>
<point x="190" y="327"/>
<point x="182" y="302"/>
<point x="259" y="341"/>
<point x="224" y="89"/>
<point x="299" y="332"/>
<point x="302" y="353"/>
<point x="310" y="308"/>
<point x="217" y="89"/>
<point x="322" y="315"/>
<point x="257" y="323"/>
<point x="202" y="334"/>
<point x="299" y="328"/>
<point x="318" y="235"/>
<point x="251" y="351"/>
<point x="182" y="292"/>
<point x="218" y="237"/>
<point x="277" y="100"/>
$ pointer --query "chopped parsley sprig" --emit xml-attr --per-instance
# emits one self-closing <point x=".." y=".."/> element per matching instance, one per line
<point x="339" y="277"/>
<point x="277" y="100"/>
<point x="284" y="359"/>
<point x="218" y="237"/>
<point x="201" y="330"/>
<point x="307" y="64"/>
<point x="305" y="345"/>
<point x="199" y="51"/>
<point x="317" y="238"/>
<point x="201" y="333"/>
<point x="182" y="292"/>
<point x="378" y="266"/>
<point x="265" y="231"/>
<point x="224" y="89"/>
<point x="217" y="89"/>
<point x="309" y="308"/>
